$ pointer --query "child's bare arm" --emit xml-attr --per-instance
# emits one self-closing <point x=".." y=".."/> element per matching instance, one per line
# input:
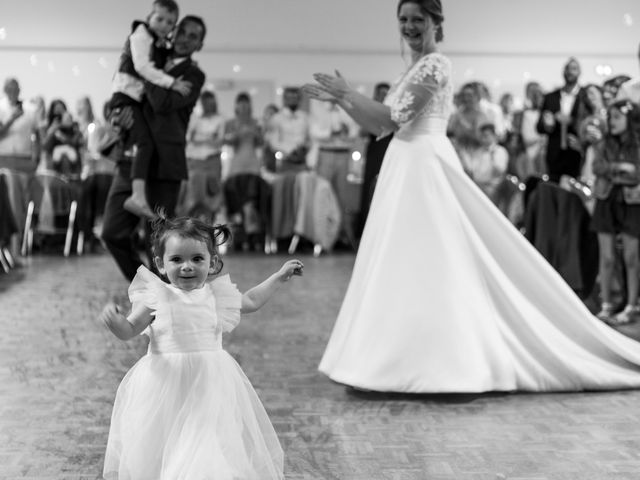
<point x="123" y="327"/>
<point x="257" y="296"/>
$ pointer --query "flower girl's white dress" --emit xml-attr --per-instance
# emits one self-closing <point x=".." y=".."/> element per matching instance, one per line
<point x="186" y="411"/>
<point x="446" y="295"/>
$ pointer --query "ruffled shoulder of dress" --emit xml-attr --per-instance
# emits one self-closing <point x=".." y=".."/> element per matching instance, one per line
<point x="146" y="288"/>
<point x="228" y="302"/>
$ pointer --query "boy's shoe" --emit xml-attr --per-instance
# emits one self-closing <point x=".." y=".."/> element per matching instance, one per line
<point x="138" y="209"/>
<point x="629" y="314"/>
<point x="606" y="312"/>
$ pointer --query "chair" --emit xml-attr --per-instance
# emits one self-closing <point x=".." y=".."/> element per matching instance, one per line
<point x="52" y="202"/>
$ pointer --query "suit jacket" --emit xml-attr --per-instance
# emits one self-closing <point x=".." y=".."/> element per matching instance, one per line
<point x="167" y="113"/>
<point x="552" y="104"/>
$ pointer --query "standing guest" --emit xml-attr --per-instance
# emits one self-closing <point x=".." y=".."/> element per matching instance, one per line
<point x="336" y="135"/>
<point x="506" y="104"/>
<point x="186" y="410"/>
<point x="19" y="139"/>
<point x="374" y="153"/>
<point x="97" y="173"/>
<point x="630" y="90"/>
<point x="592" y="129"/>
<point x="487" y="166"/>
<point x="244" y="134"/>
<point x="560" y="118"/>
<point x="617" y="210"/>
<point x="611" y="87"/>
<point x="167" y="113"/>
<point x="291" y="138"/>
<point x="446" y="295"/>
<point x="19" y="151"/>
<point x="491" y="109"/>
<point x="202" y="194"/>
<point x="141" y="61"/>
<point x="40" y="111"/>
<point x="269" y="132"/>
<point x="526" y="145"/>
<point x="244" y="190"/>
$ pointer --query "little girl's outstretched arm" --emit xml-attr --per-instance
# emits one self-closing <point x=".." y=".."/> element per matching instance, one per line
<point x="257" y="296"/>
<point x="123" y="327"/>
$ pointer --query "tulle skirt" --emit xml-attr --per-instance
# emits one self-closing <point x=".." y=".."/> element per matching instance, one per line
<point x="190" y="416"/>
<point x="447" y="296"/>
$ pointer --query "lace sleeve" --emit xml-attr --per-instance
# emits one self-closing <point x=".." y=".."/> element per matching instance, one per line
<point x="420" y="87"/>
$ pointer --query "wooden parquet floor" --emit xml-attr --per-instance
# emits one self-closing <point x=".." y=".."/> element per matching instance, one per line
<point x="59" y="370"/>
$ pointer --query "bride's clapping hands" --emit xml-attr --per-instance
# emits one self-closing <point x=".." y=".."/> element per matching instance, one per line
<point x="334" y="85"/>
<point x="316" y="92"/>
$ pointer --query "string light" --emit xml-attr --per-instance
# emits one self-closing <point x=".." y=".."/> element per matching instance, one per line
<point x="103" y="62"/>
<point x="51" y="66"/>
<point x="33" y="59"/>
<point x="604" y="70"/>
<point x="236" y="68"/>
<point x="3" y="33"/>
<point x="75" y="70"/>
<point x="627" y="19"/>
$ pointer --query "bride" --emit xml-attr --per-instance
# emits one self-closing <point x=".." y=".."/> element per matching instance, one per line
<point x="446" y="295"/>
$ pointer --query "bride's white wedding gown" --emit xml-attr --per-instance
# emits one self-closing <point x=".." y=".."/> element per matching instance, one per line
<point x="446" y="295"/>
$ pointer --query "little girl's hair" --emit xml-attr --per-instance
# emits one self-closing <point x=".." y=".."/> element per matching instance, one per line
<point x="629" y="141"/>
<point x="188" y="227"/>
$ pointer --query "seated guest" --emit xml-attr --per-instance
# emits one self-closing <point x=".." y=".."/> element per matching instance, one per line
<point x="487" y="165"/>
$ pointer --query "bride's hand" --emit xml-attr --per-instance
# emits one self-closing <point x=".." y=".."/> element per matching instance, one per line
<point x="335" y="85"/>
<point x="317" y="93"/>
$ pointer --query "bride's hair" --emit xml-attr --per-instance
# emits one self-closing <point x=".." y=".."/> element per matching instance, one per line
<point x="432" y="8"/>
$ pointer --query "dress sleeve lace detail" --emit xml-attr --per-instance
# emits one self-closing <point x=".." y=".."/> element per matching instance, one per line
<point x="228" y="302"/>
<point x="423" y="90"/>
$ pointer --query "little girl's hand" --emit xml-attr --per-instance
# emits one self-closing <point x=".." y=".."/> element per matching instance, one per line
<point x="110" y="314"/>
<point x="291" y="268"/>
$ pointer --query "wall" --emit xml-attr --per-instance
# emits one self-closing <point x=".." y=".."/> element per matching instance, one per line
<point x="69" y="49"/>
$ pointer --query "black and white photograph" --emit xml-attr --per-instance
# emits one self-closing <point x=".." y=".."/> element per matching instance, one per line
<point x="331" y="240"/>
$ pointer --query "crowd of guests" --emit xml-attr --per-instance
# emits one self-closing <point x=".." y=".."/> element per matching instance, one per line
<point x="580" y="139"/>
<point x="306" y="171"/>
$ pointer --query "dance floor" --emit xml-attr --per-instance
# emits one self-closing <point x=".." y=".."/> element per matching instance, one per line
<point x="59" y="370"/>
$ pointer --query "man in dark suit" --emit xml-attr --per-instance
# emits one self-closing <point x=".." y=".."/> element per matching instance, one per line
<point x="167" y="113"/>
<point x="561" y="113"/>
